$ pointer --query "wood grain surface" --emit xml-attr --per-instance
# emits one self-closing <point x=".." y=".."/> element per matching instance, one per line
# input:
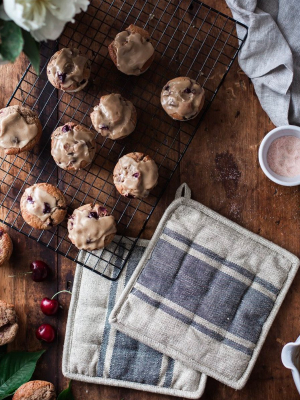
<point x="222" y="169"/>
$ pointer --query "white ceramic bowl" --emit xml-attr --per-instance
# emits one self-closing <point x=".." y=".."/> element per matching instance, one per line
<point x="287" y="130"/>
<point x="290" y="359"/>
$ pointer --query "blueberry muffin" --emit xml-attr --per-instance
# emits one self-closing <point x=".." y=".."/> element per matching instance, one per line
<point x="68" y="70"/>
<point x="43" y="206"/>
<point x="6" y="246"/>
<point x="73" y="146"/>
<point x="8" y="323"/>
<point x="135" y="175"/>
<point x="182" y="98"/>
<point x="35" y="390"/>
<point x="20" y="129"/>
<point x="114" y="117"/>
<point x="91" y="227"/>
<point x="131" y="51"/>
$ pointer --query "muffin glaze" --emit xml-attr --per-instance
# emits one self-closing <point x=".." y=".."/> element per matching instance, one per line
<point x="73" y="146"/>
<point x="182" y="98"/>
<point x="91" y="228"/>
<point x="132" y="51"/>
<point x="15" y="132"/>
<point x="114" y="117"/>
<point x="40" y="203"/>
<point x="135" y="178"/>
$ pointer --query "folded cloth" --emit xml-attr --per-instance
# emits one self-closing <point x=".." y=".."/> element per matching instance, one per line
<point x="96" y="352"/>
<point x="271" y="55"/>
<point x="205" y="292"/>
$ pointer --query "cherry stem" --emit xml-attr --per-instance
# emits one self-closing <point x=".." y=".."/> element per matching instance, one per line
<point x="24" y="273"/>
<point x="62" y="291"/>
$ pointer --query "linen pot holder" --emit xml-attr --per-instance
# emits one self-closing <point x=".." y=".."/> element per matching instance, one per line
<point x="96" y="352"/>
<point x="205" y="292"/>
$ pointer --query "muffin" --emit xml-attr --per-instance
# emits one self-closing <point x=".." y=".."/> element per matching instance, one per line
<point x="131" y="51"/>
<point x="91" y="227"/>
<point x="20" y="129"/>
<point x="114" y="117"/>
<point x="182" y="98"/>
<point x="8" y="323"/>
<point x="135" y="175"/>
<point x="43" y="206"/>
<point x="35" y="390"/>
<point x="6" y="246"/>
<point x="73" y="146"/>
<point x="68" y="70"/>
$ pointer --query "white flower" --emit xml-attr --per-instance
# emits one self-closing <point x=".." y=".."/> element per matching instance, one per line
<point x="44" y="19"/>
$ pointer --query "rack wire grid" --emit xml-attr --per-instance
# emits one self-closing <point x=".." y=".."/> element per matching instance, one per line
<point x="190" y="39"/>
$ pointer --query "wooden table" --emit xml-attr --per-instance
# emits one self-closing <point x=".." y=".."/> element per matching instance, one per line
<point x="222" y="169"/>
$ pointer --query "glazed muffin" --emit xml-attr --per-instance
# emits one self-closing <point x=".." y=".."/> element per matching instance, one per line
<point x="68" y="70"/>
<point x="73" y="146"/>
<point x="43" y="206"/>
<point x="114" y="117"/>
<point x="182" y="98"/>
<point x="20" y="129"/>
<point x="132" y="51"/>
<point x="135" y="175"/>
<point x="91" y="227"/>
<point x="8" y="323"/>
<point x="36" y="390"/>
<point x="6" y="246"/>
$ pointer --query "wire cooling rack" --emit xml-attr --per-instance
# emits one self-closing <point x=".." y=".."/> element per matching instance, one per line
<point x="190" y="39"/>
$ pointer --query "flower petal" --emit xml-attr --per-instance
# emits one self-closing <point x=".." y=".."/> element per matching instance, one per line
<point x="51" y="30"/>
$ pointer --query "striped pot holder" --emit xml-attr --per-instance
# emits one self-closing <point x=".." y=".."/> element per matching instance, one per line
<point x="96" y="352"/>
<point x="205" y="292"/>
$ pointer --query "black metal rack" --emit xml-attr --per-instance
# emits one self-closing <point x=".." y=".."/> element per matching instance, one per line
<point x="190" y="39"/>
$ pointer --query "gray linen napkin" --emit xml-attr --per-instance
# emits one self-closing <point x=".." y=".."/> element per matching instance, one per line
<point x="271" y="55"/>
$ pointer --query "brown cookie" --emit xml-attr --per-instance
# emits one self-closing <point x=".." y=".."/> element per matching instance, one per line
<point x="73" y="147"/>
<point x="135" y="175"/>
<point x="35" y="390"/>
<point x="43" y="206"/>
<point x="68" y="70"/>
<point x="91" y="227"/>
<point x="132" y="51"/>
<point x="20" y="129"/>
<point x="6" y="246"/>
<point x="8" y="323"/>
<point x="182" y="98"/>
<point x="115" y="117"/>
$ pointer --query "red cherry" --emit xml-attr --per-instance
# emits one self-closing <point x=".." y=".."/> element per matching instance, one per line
<point x="45" y="332"/>
<point x="40" y="271"/>
<point x="49" y="306"/>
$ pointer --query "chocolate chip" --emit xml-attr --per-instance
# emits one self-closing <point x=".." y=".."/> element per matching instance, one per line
<point x="187" y="90"/>
<point x="136" y="175"/>
<point x="66" y="128"/>
<point x="62" y="76"/>
<point x="93" y="214"/>
<point x="30" y="200"/>
<point x="47" y="208"/>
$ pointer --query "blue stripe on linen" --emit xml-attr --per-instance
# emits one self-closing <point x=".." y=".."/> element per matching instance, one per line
<point x="107" y="327"/>
<point x="131" y="360"/>
<point x="205" y="291"/>
<point x="169" y="373"/>
<point x="190" y="322"/>
<point x="214" y="256"/>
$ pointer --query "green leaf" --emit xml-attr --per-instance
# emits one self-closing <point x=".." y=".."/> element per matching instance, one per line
<point x="32" y="50"/>
<point x="11" y="40"/>
<point x="16" y="368"/>
<point x="66" y="394"/>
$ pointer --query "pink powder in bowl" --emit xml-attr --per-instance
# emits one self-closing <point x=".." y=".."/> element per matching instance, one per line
<point x="283" y="156"/>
